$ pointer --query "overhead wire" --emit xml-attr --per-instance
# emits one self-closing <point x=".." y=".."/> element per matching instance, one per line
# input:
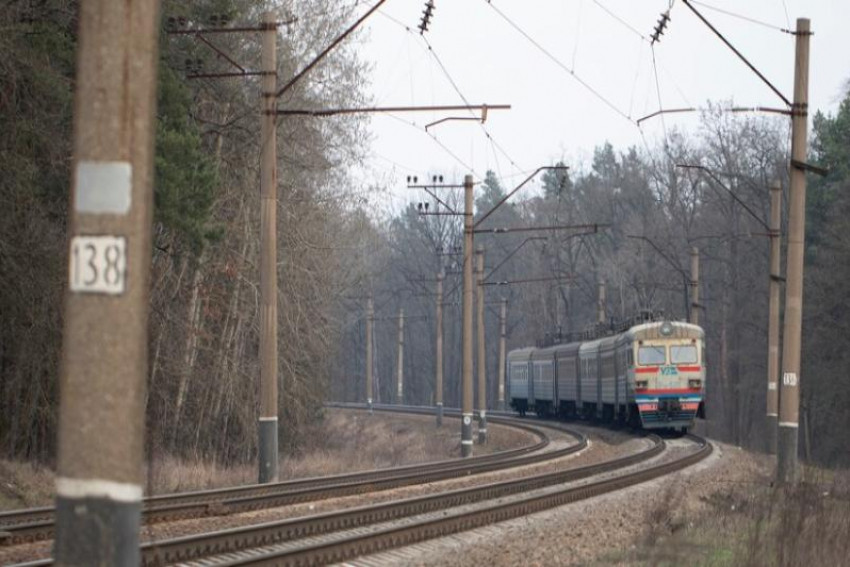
<point x="673" y="80"/>
<point x="787" y="19"/>
<point x="635" y="82"/>
<point x="578" y="33"/>
<point x="658" y="94"/>
<point x="561" y="64"/>
<point x="465" y="100"/>
<point x="430" y="50"/>
<point x="443" y="68"/>
<point x="621" y="20"/>
<point x="442" y="145"/>
<point x="413" y="124"/>
<point x="746" y="18"/>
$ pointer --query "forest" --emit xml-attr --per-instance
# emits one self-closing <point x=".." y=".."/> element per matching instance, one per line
<point x="340" y="244"/>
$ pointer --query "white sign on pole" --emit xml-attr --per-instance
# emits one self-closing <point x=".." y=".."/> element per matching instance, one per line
<point x="98" y="264"/>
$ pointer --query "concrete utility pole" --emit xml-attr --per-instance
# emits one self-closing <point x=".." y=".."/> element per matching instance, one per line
<point x="104" y="353"/>
<point x="502" y="318"/>
<point x="399" y="395"/>
<point x="268" y="254"/>
<point x="600" y="303"/>
<point x="773" y="317"/>
<point x="694" y="285"/>
<point x="466" y="400"/>
<point x="438" y="395"/>
<point x="482" y="358"/>
<point x="789" y="396"/>
<point x="370" y="321"/>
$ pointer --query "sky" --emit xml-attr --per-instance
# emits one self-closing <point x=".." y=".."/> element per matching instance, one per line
<point x="577" y="73"/>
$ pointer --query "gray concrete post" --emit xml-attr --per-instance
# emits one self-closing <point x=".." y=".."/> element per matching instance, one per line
<point x="268" y="442"/>
<point x="773" y="316"/>
<point x="466" y="398"/>
<point x="438" y="362"/>
<point x="482" y="358"/>
<point x="789" y="387"/>
<point x="104" y="362"/>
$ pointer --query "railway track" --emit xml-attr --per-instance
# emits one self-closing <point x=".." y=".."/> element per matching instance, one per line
<point x="335" y="536"/>
<point x="338" y="536"/>
<point x="37" y="524"/>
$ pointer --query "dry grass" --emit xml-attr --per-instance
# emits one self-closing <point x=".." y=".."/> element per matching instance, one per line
<point x="345" y="442"/>
<point x="24" y="485"/>
<point x="752" y="526"/>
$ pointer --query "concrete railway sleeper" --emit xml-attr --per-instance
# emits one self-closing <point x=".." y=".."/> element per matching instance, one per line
<point x="22" y="526"/>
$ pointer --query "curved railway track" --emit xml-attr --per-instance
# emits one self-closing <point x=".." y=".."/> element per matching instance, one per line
<point x="37" y="524"/>
<point x="313" y="541"/>
<point x="340" y="535"/>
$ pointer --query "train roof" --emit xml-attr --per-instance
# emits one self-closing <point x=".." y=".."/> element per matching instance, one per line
<point x="680" y="330"/>
<point x="644" y="331"/>
<point x="590" y="345"/>
<point x="521" y="353"/>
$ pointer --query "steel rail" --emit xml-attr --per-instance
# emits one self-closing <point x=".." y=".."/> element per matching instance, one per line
<point x="429" y="528"/>
<point x="238" y="539"/>
<point x="37" y="524"/>
<point x="196" y="547"/>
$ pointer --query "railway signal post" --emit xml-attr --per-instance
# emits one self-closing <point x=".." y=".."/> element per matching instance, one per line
<point x="268" y="456"/>
<point x="502" y="316"/>
<point x="370" y="321"/>
<point x="789" y="393"/>
<point x="399" y="396"/>
<point x="466" y="391"/>
<point x="104" y="352"/>
<point x="773" y="317"/>
<point x="438" y="362"/>
<point x="482" y="359"/>
<point x="694" y="285"/>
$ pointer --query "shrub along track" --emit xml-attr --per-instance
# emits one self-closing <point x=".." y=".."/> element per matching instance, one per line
<point x="339" y="535"/>
<point x="36" y="524"/>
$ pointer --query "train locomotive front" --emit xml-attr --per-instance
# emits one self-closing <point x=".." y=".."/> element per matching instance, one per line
<point x="651" y="375"/>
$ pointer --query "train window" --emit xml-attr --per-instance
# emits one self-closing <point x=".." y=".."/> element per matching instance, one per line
<point x="683" y="354"/>
<point x="652" y="354"/>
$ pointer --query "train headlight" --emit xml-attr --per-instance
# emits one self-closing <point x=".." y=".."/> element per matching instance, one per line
<point x="641" y="384"/>
<point x="694" y="383"/>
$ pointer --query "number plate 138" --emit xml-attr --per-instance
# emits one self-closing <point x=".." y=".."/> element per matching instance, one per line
<point x="98" y="264"/>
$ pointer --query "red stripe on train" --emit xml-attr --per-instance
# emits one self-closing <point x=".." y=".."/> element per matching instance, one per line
<point x="669" y="391"/>
<point x="647" y="369"/>
<point x="689" y="368"/>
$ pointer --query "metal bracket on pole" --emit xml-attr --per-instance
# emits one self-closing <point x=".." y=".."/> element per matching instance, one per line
<point x="805" y="166"/>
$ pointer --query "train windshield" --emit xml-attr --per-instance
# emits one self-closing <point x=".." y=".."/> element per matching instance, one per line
<point x="652" y="354"/>
<point x="683" y="354"/>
